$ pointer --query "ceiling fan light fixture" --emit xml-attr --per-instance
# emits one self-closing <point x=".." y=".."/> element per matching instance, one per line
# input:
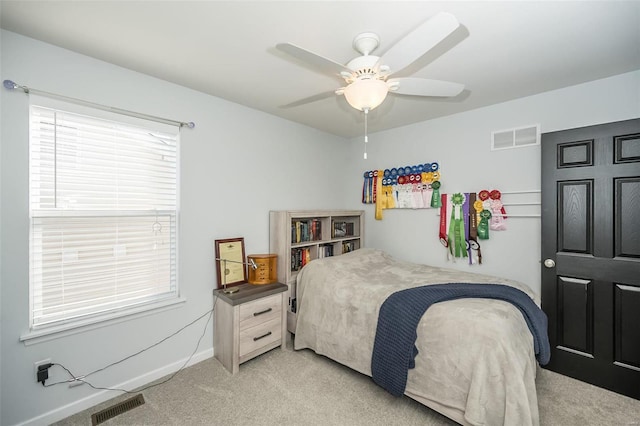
<point x="366" y="94"/>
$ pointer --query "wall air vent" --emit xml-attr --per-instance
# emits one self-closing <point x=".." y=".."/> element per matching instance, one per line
<point x="516" y="137"/>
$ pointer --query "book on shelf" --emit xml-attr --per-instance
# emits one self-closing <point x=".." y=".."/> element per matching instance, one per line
<point x="348" y="246"/>
<point x="343" y="229"/>
<point x="299" y="258"/>
<point x="306" y="230"/>
<point x="325" y="251"/>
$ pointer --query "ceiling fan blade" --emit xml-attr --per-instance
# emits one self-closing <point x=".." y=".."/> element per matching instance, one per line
<point x="318" y="62"/>
<point x="310" y="99"/>
<point x="424" y="87"/>
<point x="420" y="41"/>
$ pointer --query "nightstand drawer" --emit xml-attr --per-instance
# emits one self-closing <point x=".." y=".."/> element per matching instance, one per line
<point x="260" y="311"/>
<point x="258" y="336"/>
<point x="248" y="322"/>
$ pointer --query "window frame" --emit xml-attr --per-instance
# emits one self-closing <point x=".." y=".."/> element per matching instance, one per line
<point x="39" y="332"/>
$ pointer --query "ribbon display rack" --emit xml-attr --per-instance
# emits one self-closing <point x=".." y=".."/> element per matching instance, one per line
<point x="405" y="187"/>
<point x="467" y="218"/>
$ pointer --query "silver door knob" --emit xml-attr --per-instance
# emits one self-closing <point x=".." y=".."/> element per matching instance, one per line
<point x="549" y="263"/>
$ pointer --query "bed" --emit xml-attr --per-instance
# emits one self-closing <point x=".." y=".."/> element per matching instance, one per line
<point x="475" y="363"/>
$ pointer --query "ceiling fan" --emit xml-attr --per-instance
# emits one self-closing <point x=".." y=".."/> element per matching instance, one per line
<point x="367" y="77"/>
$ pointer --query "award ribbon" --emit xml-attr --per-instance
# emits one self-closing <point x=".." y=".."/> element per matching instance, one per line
<point x="496" y="195"/>
<point x="497" y="221"/>
<point x="379" y="201"/>
<point x="483" y="226"/>
<point x="435" y="195"/>
<point x="456" y="228"/>
<point x="365" y="188"/>
<point x="478" y="207"/>
<point x="443" y="220"/>
<point x="465" y="216"/>
<point x="473" y="229"/>
<point x="387" y="191"/>
<point x="498" y="217"/>
<point x="375" y="184"/>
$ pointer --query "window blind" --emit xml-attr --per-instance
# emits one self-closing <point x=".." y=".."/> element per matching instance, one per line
<point x="103" y="212"/>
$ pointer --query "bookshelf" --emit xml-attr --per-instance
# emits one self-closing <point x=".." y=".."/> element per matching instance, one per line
<point x="301" y="236"/>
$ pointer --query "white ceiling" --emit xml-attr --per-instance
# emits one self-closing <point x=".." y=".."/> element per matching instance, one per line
<point x="502" y="51"/>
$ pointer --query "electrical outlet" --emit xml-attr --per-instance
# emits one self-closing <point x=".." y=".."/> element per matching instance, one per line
<point x="37" y="364"/>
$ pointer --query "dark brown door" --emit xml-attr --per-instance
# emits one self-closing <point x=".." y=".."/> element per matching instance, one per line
<point x="591" y="253"/>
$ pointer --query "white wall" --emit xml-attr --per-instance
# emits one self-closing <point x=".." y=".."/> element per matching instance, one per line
<point x="461" y="144"/>
<point x="237" y="164"/>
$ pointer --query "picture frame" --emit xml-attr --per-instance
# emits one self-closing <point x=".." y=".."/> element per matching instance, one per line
<point x="230" y="262"/>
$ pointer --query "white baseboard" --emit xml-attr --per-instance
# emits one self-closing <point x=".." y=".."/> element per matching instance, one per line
<point x="102" y="396"/>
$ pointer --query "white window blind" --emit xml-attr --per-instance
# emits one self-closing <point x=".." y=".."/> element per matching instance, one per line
<point x="103" y="211"/>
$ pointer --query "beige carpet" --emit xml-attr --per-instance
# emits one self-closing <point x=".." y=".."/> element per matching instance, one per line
<point x="285" y="387"/>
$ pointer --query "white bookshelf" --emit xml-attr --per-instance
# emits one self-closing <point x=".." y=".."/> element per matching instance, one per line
<point x="327" y="232"/>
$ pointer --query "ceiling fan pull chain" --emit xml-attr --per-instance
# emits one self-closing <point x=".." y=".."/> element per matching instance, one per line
<point x="366" y="137"/>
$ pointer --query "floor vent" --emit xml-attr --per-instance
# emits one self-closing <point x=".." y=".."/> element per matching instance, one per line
<point x="117" y="409"/>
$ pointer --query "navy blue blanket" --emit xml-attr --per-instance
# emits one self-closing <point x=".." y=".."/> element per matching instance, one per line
<point x="394" y="346"/>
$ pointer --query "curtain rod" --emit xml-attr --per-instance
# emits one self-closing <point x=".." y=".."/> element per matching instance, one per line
<point x="10" y="85"/>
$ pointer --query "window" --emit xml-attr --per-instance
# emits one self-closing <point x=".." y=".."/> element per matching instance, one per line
<point x="103" y="213"/>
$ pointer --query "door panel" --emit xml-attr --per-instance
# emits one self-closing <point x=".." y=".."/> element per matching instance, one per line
<point x="575" y="154"/>
<point x="627" y="209"/>
<point x="575" y="324"/>
<point x="574" y="216"/>
<point x="627" y="148"/>
<point x="627" y="300"/>
<point x="591" y="229"/>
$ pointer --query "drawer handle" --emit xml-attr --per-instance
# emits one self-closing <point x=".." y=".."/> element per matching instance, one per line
<point x="255" y="314"/>
<point x="255" y="339"/>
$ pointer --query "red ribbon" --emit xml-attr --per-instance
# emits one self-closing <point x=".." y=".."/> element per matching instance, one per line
<point x="495" y="195"/>
<point x="443" y="220"/>
<point x="375" y="186"/>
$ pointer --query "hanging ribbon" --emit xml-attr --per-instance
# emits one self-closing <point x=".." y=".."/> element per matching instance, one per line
<point x="443" y="222"/>
<point x="375" y="185"/>
<point x="496" y="195"/>
<point x="365" y="188"/>
<point x="369" y="187"/>
<point x="456" y="227"/>
<point x="379" y="201"/>
<point x="387" y="192"/>
<point x="478" y="207"/>
<point x="483" y="226"/>
<point x="450" y="243"/>
<point x="498" y="212"/>
<point x="465" y="217"/>
<point x="473" y="229"/>
<point x="435" y="195"/>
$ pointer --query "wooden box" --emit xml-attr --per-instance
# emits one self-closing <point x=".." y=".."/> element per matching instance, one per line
<point x="267" y="271"/>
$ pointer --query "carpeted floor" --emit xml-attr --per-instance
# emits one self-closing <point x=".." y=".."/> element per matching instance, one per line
<point x="285" y="387"/>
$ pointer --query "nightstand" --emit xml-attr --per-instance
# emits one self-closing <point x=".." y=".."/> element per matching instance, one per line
<point x="249" y="323"/>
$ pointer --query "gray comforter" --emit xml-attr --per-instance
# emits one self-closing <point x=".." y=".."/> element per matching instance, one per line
<point x="476" y="360"/>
